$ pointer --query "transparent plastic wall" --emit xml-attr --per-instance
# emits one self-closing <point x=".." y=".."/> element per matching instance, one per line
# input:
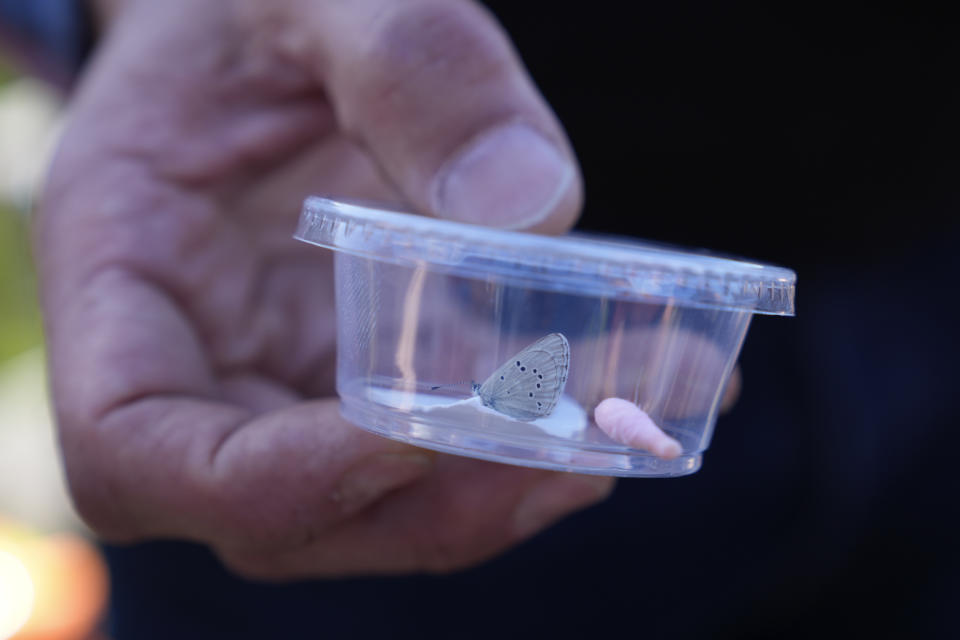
<point x="411" y="339"/>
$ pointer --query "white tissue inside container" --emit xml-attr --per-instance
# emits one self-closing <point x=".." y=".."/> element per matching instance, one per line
<point x="567" y="420"/>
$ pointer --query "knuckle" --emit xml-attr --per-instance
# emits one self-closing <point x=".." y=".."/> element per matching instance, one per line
<point x="422" y="47"/>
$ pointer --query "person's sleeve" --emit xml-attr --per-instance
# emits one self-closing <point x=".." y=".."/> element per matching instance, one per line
<point x="51" y="38"/>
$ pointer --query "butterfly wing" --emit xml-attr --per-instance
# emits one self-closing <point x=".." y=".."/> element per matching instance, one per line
<point x="528" y="386"/>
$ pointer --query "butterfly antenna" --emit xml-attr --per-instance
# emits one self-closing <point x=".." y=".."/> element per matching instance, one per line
<point x="452" y="384"/>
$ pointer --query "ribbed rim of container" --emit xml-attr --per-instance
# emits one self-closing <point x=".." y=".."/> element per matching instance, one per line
<point x="575" y="263"/>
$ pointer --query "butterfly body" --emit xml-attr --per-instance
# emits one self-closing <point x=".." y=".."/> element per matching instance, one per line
<point x="528" y="386"/>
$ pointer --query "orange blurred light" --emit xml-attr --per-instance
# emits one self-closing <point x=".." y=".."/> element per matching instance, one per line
<point x="65" y="579"/>
<point x="16" y="594"/>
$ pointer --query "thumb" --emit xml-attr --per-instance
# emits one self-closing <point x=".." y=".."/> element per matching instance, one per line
<point x="436" y="93"/>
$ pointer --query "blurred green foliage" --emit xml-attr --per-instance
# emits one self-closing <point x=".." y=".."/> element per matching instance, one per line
<point x="6" y="73"/>
<point x="19" y="315"/>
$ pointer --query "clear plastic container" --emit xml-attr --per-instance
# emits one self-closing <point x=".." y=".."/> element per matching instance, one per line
<point x="433" y="314"/>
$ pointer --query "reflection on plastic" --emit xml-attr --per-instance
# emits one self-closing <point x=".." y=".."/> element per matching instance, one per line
<point x="567" y="420"/>
<point x="423" y="303"/>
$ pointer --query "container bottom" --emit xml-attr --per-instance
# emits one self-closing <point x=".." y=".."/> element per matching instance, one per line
<point x="556" y="454"/>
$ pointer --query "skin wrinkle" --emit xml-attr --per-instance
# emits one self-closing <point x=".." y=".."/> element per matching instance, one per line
<point x="257" y="61"/>
<point x="182" y="290"/>
<point x="268" y="350"/>
<point x="179" y="292"/>
<point x="193" y="247"/>
<point x="96" y="410"/>
<point x="273" y="50"/>
<point x="260" y="526"/>
<point x="257" y="392"/>
<point x="250" y="146"/>
<point x="414" y="47"/>
<point x="134" y="129"/>
<point x="288" y="362"/>
<point x="435" y="553"/>
<point x="270" y="26"/>
<point x="425" y="552"/>
<point x="121" y="435"/>
<point x="230" y="95"/>
<point x="271" y="527"/>
<point x="206" y="509"/>
<point x="132" y="203"/>
<point x="333" y="165"/>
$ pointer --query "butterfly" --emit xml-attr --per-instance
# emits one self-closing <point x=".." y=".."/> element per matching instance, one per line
<point x="528" y="385"/>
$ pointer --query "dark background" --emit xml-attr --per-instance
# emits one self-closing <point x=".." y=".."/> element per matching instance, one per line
<point x="823" y="138"/>
<point x="796" y="134"/>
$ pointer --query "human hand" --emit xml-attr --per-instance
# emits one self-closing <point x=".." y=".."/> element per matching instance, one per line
<point x="190" y="337"/>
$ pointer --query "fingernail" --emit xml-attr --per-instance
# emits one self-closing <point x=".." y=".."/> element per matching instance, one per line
<point x="557" y="497"/>
<point x="369" y="480"/>
<point x="509" y="177"/>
